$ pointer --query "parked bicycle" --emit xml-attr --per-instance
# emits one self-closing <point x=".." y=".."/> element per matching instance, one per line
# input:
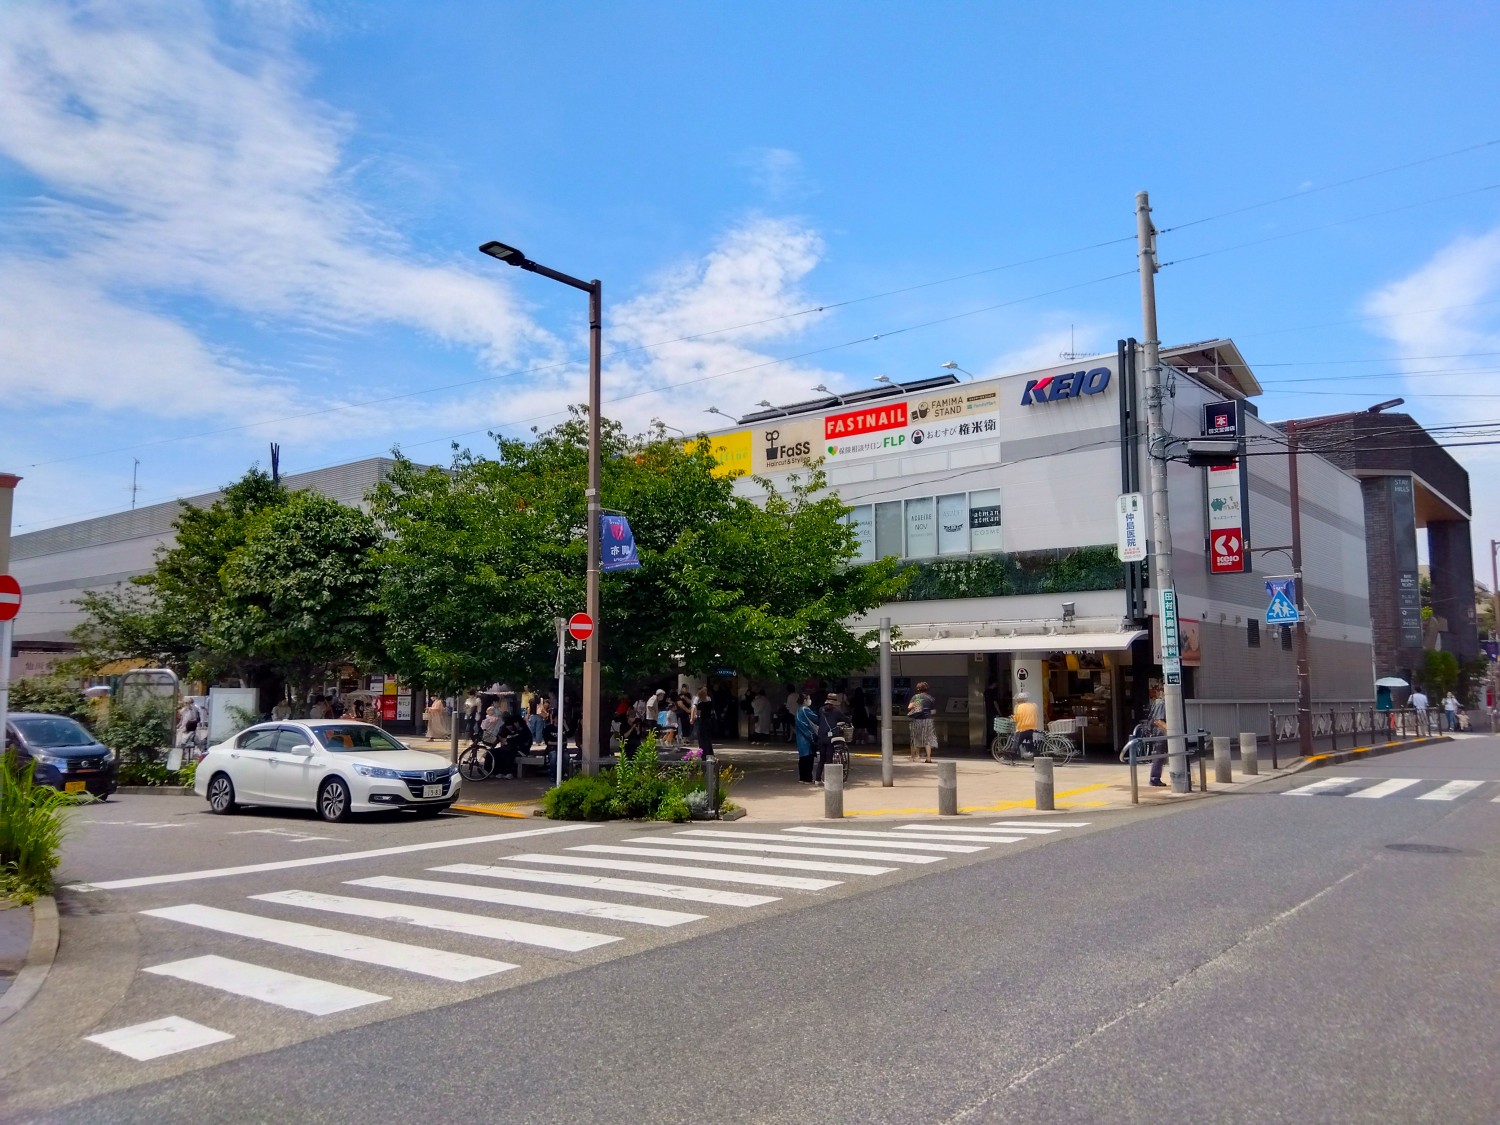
<point x="1008" y="743"/>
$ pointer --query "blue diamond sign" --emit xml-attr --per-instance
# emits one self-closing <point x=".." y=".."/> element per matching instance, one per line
<point x="1283" y="607"/>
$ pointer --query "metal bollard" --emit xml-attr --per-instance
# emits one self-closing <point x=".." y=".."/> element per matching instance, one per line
<point x="1042" y="766"/>
<point x="947" y="788"/>
<point x="1223" y="773"/>
<point x="711" y="782"/>
<point x="1249" y="764"/>
<point x="833" y="791"/>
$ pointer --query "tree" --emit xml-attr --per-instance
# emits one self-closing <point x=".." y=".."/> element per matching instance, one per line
<point x="480" y="559"/>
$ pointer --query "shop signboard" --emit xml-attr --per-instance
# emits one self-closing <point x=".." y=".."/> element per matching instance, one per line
<point x="1404" y="543"/>
<point x="1226" y="551"/>
<point x="787" y="443"/>
<point x="1130" y="521"/>
<point x="1228" y="494"/>
<point x="984" y="520"/>
<point x="731" y="453"/>
<point x="1171" y="653"/>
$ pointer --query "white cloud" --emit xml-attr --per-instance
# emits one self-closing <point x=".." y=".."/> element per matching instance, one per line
<point x="776" y="171"/>
<point x="1047" y="348"/>
<point x="174" y="165"/>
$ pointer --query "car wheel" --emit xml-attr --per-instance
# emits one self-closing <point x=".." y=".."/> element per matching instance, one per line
<point x="333" y="800"/>
<point x="221" y="794"/>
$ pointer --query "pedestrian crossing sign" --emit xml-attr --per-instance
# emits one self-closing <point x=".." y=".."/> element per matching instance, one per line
<point x="1283" y="607"/>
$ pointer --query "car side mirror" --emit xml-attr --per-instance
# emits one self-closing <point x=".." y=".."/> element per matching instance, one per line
<point x="302" y="750"/>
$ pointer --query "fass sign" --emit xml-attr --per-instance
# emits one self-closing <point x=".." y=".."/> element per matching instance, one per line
<point x="1075" y="384"/>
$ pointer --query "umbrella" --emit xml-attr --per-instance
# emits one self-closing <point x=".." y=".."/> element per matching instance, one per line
<point x="96" y="691"/>
<point x="1391" y="681"/>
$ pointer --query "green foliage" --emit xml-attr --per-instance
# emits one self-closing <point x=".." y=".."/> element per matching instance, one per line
<point x="674" y="807"/>
<point x="998" y="575"/>
<point x="51" y="696"/>
<point x="639" y="787"/>
<point x="137" y="732"/>
<point x="480" y="559"/>
<point x="31" y="830"/>
<point x="1439" y="673"/>
<point x="581" y="798"/>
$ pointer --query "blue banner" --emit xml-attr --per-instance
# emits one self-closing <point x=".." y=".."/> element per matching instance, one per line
<point x="616" y="544"/>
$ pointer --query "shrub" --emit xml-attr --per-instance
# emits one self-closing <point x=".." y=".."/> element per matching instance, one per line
<point x="137" y="732"/>
<point x="31" y="830"/>
<point x="673" y="807"/>
<point x="51" y="696"/>
<point x="581" y="798"/>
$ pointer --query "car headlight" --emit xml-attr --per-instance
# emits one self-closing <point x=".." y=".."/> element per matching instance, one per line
<point x="375" y="771"/>
<point x="48" y="760"/>
<point x="452" y="771"/>
<point x="109" y="757"/>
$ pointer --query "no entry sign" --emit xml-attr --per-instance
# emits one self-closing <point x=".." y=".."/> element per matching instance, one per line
<point x="580" y="626"/>
<point x="10" y="597"/>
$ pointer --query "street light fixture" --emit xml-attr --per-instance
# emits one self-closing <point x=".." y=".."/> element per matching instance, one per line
<point x="720" y="413"/>
<point x="589" y="735"/>
<point x="826" y="391"/>
<point x="769" y="406"/>
<point x="886" y="379"/>
<point x="952" y="366"/>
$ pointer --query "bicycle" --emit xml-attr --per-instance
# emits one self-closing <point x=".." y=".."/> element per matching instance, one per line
<point x="840" y="749"/>
<point x="1053" y="742"/>
<point x="477" y="761"/>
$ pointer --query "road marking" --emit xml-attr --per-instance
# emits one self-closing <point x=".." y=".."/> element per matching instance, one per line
<point x="1451" y="790"/>
<point x="451" y="921"/>
<point x="1318" y="786"/>
<point x="746" y="860"/>
<point x="139" y="823"/>
<point x="943" y="831"/>
<point x="956" y="837"/>
<point x="272" y="986"/>
<point x="504" y="896"/>
<point x="831" y="848"/>
<point x="309" y="861"/>
<point x="1048" y="825"/>
<point x="1386" y="788"/>
<point x="159" y="1038"/>
<point x="295" y="837"/>
<point x="749" y="878"/>
<point x="605" y="883"/>
<point x="871" y="839"/>
<point x="335" y="943"/>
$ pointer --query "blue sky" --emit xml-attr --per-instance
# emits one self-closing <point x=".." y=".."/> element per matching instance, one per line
<point x="230" y="224"/>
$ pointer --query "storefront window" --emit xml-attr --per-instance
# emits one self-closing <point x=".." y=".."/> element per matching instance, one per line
<point x="984" y="520"/>
<point x="953" y="524"/>
<point x="862" y="519"/>
<point x="921" y="529"/>
<point x="888" y="529"/>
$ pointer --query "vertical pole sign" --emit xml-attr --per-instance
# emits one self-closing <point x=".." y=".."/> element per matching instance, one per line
<point x="1228" y="493"/>
<point x="10" y="596"/>
<point x="1130" y="518"/>
<point x="1171" y="653"/>
<point x="560" y="668"/>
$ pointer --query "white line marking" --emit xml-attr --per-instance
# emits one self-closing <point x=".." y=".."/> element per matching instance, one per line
<point x="451" y="921"/>
<point x="749" y="878"/>
<point x="309" y="861"/>
<point x="1027" y="830"/>
<point x="1318" y="786"/>
<point x="285" y="990"/>
<point x="746" y="860"/>
<point x="505" y="896"/>
<point x="943" y="831"/>
<point x="1040" y="823"/>
<point x="146" y="1041"/>
<point x="605" y="883"/>
<point x="830" y="849"/>
<point x="295" y="837"/>
<point x="1450" y="790"/>
<point x="959" y="838"/>
<point x="335" y="943"/>
<point x="1386" y="788"/>
<point x="842" y="837"/>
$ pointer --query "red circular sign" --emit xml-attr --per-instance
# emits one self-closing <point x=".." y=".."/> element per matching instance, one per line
<point x="10" y="598"/>
<point x="580" y="626"/>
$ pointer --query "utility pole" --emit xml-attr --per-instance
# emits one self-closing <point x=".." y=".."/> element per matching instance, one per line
<point x="1494" y="699"/>
<point x="1304" y="673"/>
<point x="1161" y="521"/>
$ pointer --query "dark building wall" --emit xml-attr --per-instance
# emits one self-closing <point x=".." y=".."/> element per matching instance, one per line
<point x="1451" y="554"/>
<point x="1390" y="554"/>
<point x="1231" y="669"/>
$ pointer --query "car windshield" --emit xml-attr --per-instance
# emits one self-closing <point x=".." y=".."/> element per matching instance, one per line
<point x="355" y="736"/>
<point x="53" y="731"/>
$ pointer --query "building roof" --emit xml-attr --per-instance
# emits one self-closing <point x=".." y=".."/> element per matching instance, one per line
<point x="1218" y="363"/>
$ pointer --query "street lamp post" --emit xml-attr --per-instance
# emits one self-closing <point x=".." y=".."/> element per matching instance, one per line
<point x="589" y="736"/>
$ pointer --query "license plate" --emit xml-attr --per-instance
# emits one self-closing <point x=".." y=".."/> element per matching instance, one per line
<point x="432" y="790"/>
<point x="74" y="786"/>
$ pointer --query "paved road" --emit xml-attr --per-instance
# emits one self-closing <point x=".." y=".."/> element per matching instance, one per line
<point x="1269" y="956"/>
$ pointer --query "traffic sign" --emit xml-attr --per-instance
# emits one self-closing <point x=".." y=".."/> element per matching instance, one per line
<point x="1227" y="555"/>
<point x="1283" y="607"/>
<point x="10" y="597"/>
<point x="580" y="626"/>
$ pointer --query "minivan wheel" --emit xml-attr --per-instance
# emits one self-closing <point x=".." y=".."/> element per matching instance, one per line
<point x="333" y="801"/>
<point x="221" y="794"/>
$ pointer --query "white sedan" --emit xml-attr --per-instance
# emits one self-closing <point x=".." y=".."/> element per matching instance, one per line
<point x="331" y="765"/>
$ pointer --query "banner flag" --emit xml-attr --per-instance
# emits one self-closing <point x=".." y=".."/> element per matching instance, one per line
<point x="616" y="544"/>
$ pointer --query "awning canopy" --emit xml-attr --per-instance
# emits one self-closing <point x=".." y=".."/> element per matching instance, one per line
<point x="1031" y="642"/>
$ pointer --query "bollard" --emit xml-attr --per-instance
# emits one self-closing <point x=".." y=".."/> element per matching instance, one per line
<point x="947" y="788"/>
<point x="1042" y="767"/>
<point x="711" y="782"/>
<point x="1222" y="771"/>
<point x="833" y="791"/>
<point x="1248" y="762"/>
<point x="1202" y="771"/>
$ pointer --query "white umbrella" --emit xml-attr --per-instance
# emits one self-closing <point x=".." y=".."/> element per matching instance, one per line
<point x="1391" y="681"/>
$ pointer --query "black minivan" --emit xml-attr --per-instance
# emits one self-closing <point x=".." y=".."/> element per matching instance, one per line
<point x="67" y="756"/>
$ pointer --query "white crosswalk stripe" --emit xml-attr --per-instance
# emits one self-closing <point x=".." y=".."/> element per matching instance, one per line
<point x="335" y="943"/>
<point x="1320" y="786"/>
<point x="154" y="1040"/>
<point x="748" y="878"/>
<point x="285" y="990"/>
<point x="876" y="839"/>
<point x="946" y="832"/>
<point x="1386" y="788"/>
<point x="828" y="867"/>
<point x="1041" y="824"/>
<point x="832" y="849"/>
<point x="1451" y="790"/>
<point x="475" y="925"/>
<point x="606" y="883"/>
<point x="505" y="896"/>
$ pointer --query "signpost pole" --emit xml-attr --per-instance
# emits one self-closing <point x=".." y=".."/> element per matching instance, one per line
<point x="887" y="736"/>
<point x="8" y="482"/>
<point x="1161" y="523"/>
<point x="1304" y="673"/>
<point x="558" y="716"/>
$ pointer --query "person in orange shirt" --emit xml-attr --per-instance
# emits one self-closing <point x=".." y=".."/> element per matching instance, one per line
<point x="1028" y="720"/>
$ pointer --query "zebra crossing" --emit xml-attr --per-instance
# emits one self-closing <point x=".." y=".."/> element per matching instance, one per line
<point x="1375" y="788"/>
<point x="697" y="875"/>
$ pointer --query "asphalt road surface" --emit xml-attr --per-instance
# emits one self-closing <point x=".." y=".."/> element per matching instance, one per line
<point x="1282" y="954"/>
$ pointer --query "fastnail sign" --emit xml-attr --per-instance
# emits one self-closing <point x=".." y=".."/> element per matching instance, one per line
<point x="1074" y="384"/>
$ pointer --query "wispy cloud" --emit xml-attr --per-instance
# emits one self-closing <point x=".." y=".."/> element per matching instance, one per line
<point x="778" y="172"/>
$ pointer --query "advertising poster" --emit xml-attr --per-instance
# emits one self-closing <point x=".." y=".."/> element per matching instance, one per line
<point x="731" y="451"/>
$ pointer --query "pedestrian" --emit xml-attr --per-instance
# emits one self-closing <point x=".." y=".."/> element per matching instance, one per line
<point x="1383" y="706"/>
<point x="703" y="722"/>
<point x="1450" y="710"/>
<point x="806" y="722"/>
<point x="653" y="706"/>
<point x="188" y="719"/>
<point x="760" y="706"/>
<point x="684" y="708"/>
<point x="921" y="709"/>
<point x="282" y="711"/>
<point x="1157" y="718"/>
<point x="1419" y="705"/>
<point x="1028" y="720"/>
<point x="829" y="719"/>
<point x="793" y="705"/>
<point x="320" y="708"/>
<point x="666" y="724"/>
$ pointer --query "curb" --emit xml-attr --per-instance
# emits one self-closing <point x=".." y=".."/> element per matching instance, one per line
<point x="154" y="790"/>
<point x="1360" y="753"/>
<point x="38" y="958"/>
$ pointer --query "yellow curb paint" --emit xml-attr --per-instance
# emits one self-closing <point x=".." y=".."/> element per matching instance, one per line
<point x="999" y="806"/>
<point x="483" y="810"/>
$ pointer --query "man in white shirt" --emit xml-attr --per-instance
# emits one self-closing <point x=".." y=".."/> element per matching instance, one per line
<point x="793" y="705"/>
<point x="1419" y="705"/>
<point x="653" y="706"/>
